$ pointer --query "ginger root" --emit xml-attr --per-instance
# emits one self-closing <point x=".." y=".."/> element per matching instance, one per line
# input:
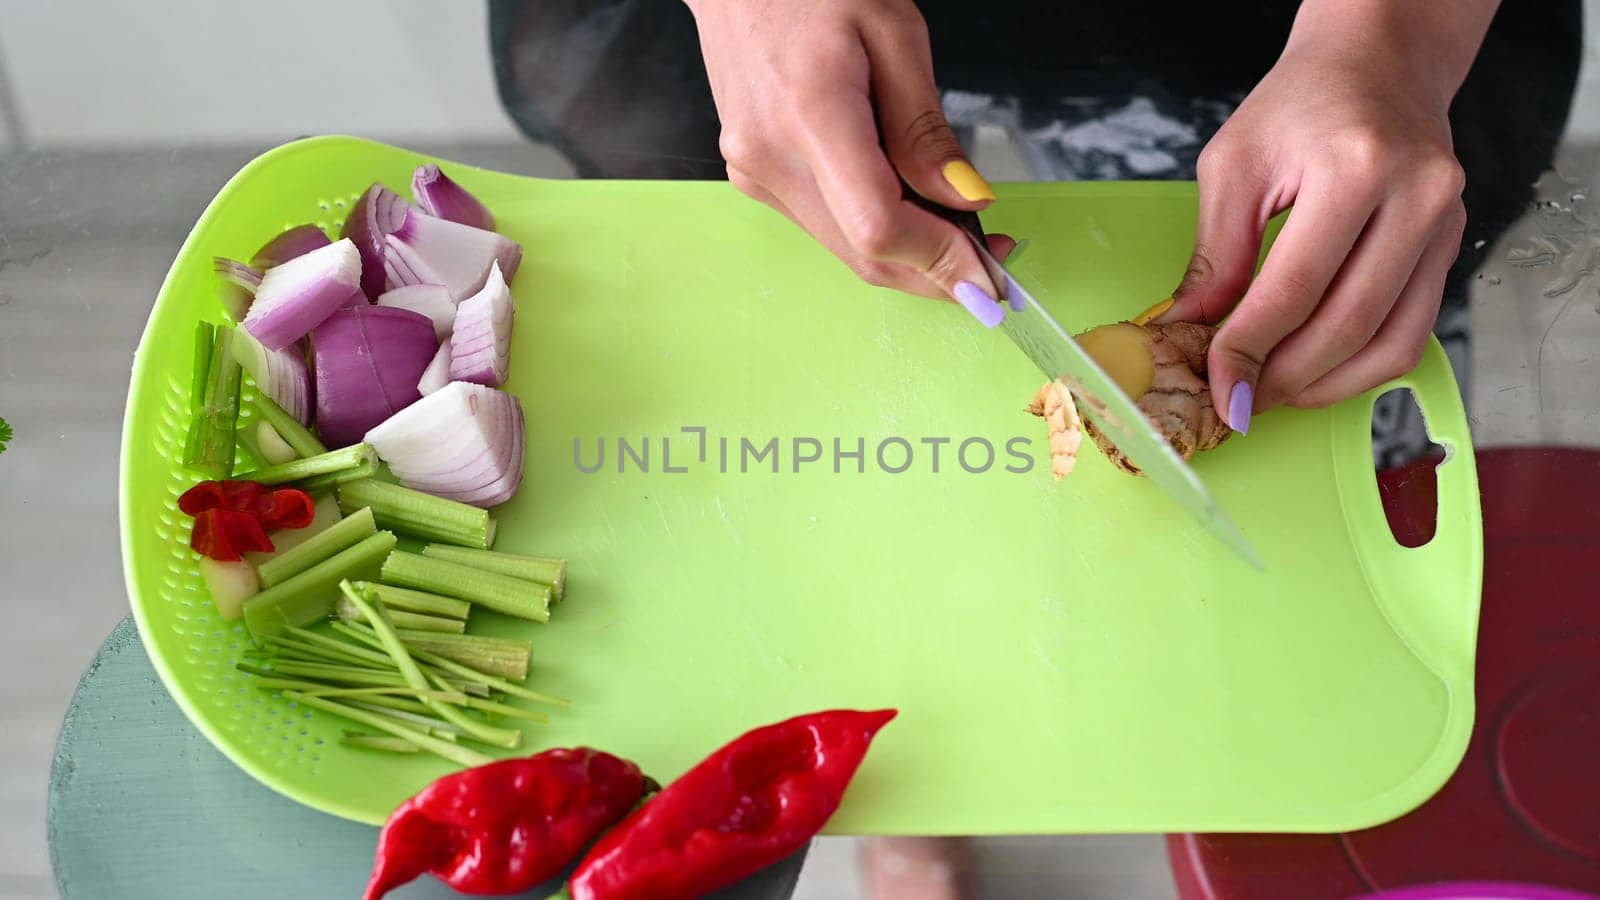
<point x="1163" y="367"/>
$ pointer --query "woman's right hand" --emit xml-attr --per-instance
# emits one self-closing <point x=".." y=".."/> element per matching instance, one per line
<point x="825" y="106"/>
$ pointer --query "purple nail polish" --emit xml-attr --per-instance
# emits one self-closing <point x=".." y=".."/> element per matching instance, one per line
<point x="983" y="307"/>
<point x="1240" y="401"/>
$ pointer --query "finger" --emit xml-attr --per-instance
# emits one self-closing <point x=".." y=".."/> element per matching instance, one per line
<point x="920" y="143"/>
<point x="1357" y="302"/>
<point x="1234" y="208"/>
<point x="863" y="194"/>
<point x="806" y="209"/>
<point x="1398" y="346"/>
<point x="1327" y="218"/>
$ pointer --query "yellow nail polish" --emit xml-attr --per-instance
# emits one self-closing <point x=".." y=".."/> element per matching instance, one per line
<point x="1149" y="315"/>
<point x="966" y="180"/>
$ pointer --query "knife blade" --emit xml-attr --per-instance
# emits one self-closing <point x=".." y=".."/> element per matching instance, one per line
<point x="1052" y="348"/>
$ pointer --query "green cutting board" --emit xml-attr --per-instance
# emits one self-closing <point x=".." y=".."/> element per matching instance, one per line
<point x="1066" y="657"/>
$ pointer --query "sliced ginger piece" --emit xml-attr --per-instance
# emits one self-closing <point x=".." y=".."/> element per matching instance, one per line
<point x="1124" y="351"/>
<point x="1054" y="404"/>
<point x="1163" y="368"/>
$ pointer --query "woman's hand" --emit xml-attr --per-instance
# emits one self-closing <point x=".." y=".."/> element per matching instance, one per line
<point x="825" y="106"/>
<point x="1350" y="128"/>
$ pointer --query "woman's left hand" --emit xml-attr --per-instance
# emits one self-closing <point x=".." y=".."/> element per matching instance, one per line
<point x="1351" y="129"/>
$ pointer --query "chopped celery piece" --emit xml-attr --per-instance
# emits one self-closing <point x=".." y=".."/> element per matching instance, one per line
<point x="327" y="481"/>
<point x="378" y="621"/>
<point x="420" y="515"/>
<point x="347" y="533"/>
<point x="506" y="657"/>
<point x="452" y="752"/>
<point x="491" y="590"/>
<point x="451" y="667"/>
<point x="294" y="434"/>
<point x="310" y="595"/>
<point x="204" y="335"/>
<point x="321" y="464"/>
<point x="399" y="598"/>
<point x="354" y="653"/>
<point x="405" y="620"/>
<point x="384" y="742"/>
<point x="211" y="441"/>
<point x="543" y="569"/>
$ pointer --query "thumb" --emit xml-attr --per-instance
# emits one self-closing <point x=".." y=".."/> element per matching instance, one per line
<point x="917" y="138"/>
<point x="1227" y="240"/>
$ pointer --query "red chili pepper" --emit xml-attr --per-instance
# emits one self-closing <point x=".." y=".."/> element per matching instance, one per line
<point x="748" y="805"/>
<point x="232" y="502"/>
<point x="226" y="535"/>
<point x="507" y="826"/>
<point x="285" y="508"/>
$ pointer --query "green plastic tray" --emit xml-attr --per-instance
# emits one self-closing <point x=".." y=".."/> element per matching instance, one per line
<point x="1067" y="657"/>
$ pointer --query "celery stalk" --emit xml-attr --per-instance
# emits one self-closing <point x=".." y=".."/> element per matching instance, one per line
<point x="346" y="533"/>
<point x="452" y="752"/>
<point x="420" y="515"/>
<point x="352" y="652"/>
<point x="405" y="620"/>
<point x="383" y="742"/>
<point x="328" y="481"/>
<point x="210" y="445"/>
<point x="379" y="622"/>
<point x="450" y="666"/>
<point x="543" y="569"/>
<point x="506" y="657"/>
<point x="321" y="464"/>
<point x="310" y="595"/>
<point x="404" y="599"/>
<point x="501" y="593"/>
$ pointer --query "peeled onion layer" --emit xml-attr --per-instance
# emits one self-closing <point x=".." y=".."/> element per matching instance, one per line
<point x="367" y="361"/>
<point x="480" y="345"/>
<point x="441" y="197"/>
<point x="295" y="297"/>
<point x="426" y="250"/>
<point x="296" y="241"/>
<point x="279" y="374"/>
<point x="378" y="212"/>
<point x="463" y="442"/>
<point x="431" y="300"/>
<point x="437" y="374"/>
<point x="239" y="285"/>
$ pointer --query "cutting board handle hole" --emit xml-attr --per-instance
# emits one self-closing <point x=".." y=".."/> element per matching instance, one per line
<point x="1404" y="458"/>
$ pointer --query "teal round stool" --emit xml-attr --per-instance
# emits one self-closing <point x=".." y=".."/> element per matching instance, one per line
<point x="142" y="806"/>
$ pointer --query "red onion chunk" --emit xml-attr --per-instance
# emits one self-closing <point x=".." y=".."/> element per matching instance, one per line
<point x="378" y="212"/>
<point x="239" y="285"/>
<point x="437" y="374"/>
<point x="296" y="296"/>
<point x="431" y="300"/>
<point x="464" y="442"/>
<point x="297" y="241"/>
<point x="426" y="250"/>
<point x="480" y="345"/>
<point x="279" y="374"/>
<point x="441" y="197"/>
<point x="368" y="360"/>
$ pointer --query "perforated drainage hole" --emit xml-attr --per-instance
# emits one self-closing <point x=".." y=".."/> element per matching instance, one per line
<point x="322" y="205"/>
<point x="339" y="203"/>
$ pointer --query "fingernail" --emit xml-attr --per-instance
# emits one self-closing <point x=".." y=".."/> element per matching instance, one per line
<point x="1151" y="314"/>
<point x="1240" y="401"/>
<point x="983" y="307"/>
<point x="966" y="180"/>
